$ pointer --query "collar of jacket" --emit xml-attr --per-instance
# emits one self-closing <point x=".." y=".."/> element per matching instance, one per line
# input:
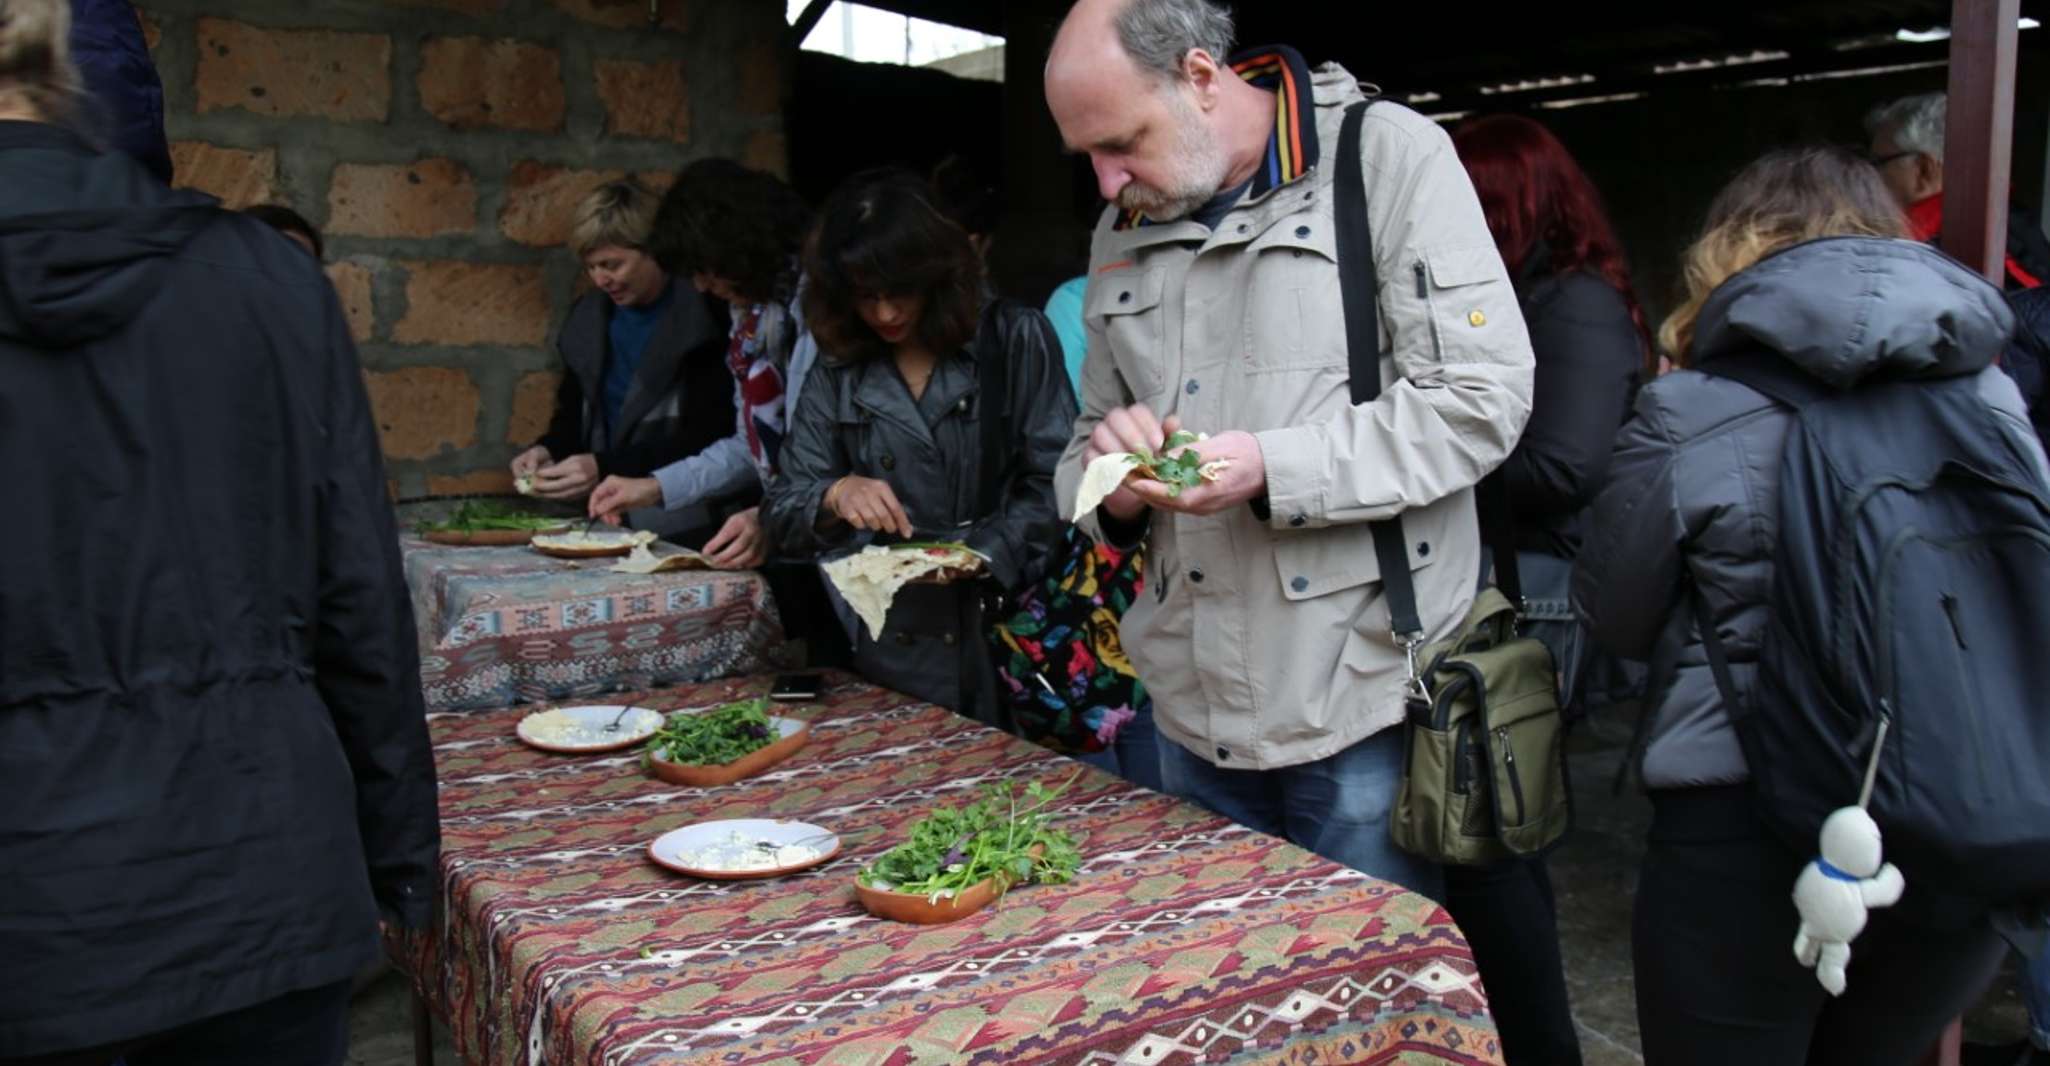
<point x="1292" y="148"/>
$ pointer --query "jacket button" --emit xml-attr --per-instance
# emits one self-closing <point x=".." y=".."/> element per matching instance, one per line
<point x="889" y="462"/>
<point x="1125" y="297"/>
<point x="1300" y="584"/>
<point x="1223" y="754"/>
<point x="1302" y="231"/>
<point x="1243" y="227"/>
<point x="947" y="639"/>
<point x="1423" y="548"/>
<point x="1196" y="576"/>
<point x="1296" y="521"/>
<point x="961" y="405"/>
<point x="1192" y="387"/>
<point x="1475" y="318"/>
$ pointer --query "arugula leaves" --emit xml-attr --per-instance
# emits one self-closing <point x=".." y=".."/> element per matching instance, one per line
<point x="715" y="737"/>
<point x="1178" y="472"/>
<point x="952" y="849"/>
<point x="470" y="516"/>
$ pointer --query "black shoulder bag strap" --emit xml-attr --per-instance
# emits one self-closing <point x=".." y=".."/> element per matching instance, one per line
<point x="1358" y="284"/>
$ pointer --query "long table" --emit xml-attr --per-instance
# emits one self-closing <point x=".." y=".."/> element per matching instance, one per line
<point x="499" y="625"/>
<point x="1185" y="938"/>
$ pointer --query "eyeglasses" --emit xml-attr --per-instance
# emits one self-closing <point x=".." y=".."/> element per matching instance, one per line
<point x="1883" y="160"/>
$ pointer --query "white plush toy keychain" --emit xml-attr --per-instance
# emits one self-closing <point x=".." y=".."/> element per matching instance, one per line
<point x="1835" y="891"/>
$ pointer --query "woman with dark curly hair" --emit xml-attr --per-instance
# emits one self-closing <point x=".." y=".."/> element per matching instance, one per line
<point x="887" y="443"/>
<point x="734" y="232"/>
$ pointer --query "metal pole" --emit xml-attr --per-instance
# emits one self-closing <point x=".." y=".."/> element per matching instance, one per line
<point x="1979" y="140"/>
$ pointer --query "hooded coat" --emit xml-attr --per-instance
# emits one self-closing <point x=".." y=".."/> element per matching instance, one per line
<point x="213" y="755"/>
<point x="1693" y="491"/>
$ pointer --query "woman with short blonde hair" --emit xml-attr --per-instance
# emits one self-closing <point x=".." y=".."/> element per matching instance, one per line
<point x="37" y="79"/>
<point x="1804" y="260"/>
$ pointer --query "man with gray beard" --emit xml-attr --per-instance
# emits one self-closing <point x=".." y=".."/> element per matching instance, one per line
<point x="1213" y="305"/>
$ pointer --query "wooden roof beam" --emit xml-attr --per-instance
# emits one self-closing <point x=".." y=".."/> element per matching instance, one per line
<point x="1978" y="140"/>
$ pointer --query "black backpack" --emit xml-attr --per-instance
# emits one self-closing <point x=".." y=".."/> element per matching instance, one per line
<point x="1909" y="613"/>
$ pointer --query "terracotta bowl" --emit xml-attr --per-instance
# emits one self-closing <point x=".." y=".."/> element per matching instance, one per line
<point x="485" y="538"/>
<point x="919" y="910"/>
<point x="795" y="733"/>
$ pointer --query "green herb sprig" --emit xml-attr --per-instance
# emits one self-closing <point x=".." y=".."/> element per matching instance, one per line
<point x="715" y="737"/>
<point x="952" y="849"/>
<point x="472" y="516"/>
<point x="1179" y="472"/>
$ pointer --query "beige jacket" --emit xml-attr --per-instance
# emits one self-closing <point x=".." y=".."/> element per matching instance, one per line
<point x="1267" y="644"/>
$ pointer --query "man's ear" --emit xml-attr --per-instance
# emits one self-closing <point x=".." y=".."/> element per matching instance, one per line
<point x="1203" y="72"/>
<point x="1929" y="173"/>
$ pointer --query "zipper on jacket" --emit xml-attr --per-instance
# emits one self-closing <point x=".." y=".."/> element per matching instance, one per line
<point x="1462" y="760"/>
<point x="1423" y="290"/>
<point x="1509" y="762"/>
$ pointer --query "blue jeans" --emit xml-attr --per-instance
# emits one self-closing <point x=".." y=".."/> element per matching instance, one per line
<point x="1135" y="753"/>
<point x="1337" y="806"/>
<point x="2035" y="982"/>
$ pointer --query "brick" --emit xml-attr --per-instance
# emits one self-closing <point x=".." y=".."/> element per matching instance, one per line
<point x="492" y="480"/>
<point x="317" y="73"/>
<point x="466" y="7"/>
<point x="533" y="406"/>
<point x="423" y="199"/>
<point x="152" y="30"/>
<point x="761" y="80"/>
<point x="423" y="411"/>
<point x="766" y="150"/>
<point x="541" y="200"/>
<point x="457" y="303"/>
<point x="644" y="99"/>
<point x="352" y="285"/>
<point x="471" y="83"/>
<point x="628" y="14"/>
<point x="238" y="177"/>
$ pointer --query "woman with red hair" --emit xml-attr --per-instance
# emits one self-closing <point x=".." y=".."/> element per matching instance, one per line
<point x="1592" y="347"/>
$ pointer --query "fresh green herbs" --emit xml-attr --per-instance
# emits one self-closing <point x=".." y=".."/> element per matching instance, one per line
<point x="953" y="849"/>
<point x="715" y="737"/>
<point x="472" y="516"/>
<point x="1179" y="472"/>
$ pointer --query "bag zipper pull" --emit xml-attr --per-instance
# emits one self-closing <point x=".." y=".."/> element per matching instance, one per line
<point x="1422" y="292"/>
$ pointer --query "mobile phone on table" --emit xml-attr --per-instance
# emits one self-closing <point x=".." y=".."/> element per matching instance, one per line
<point x="796" y="688"/>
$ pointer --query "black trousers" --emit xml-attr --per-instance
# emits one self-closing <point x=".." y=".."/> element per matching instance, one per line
<point x="1511" y="921"/>
<point x="307" y="1028"/>
<point x="1713" y="942"/>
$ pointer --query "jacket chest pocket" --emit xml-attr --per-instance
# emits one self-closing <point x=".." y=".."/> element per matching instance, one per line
<point x="1294" y="318"/>
<point x="1126" y="307"/>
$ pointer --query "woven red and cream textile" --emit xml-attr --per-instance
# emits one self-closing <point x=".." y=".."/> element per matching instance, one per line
<point x="504" y="624"/>
<point x="1186" y="938"/>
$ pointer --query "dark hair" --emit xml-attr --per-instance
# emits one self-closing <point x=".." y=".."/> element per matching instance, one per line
<point x="1531" y="189"/>
<point x="733" y="222"/>
<point x="961" y="194"/>
<point x="285" y="220"/>
<point x="880" y="234"/>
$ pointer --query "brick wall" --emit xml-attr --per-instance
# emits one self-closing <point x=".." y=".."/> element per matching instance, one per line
<point x="439" y="144"/>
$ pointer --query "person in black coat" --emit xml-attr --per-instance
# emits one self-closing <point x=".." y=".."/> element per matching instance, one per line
<point x="886" y="444"/>
<point x="644" y="383"/>
<point x="214" y="763"/>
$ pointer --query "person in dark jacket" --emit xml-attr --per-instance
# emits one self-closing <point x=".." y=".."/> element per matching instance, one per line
<point x="642" y="384"/>
<point x="1588" y="335"/>
<point x="213" y="752"/>
<point x="886" y="441"/>
<point x="125" y="104"/>
<point x="1804" y="256"/>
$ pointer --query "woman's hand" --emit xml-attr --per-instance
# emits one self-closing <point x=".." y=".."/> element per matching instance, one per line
<point x="616" y="495"/>
<point x="865" y="503"/>
<point x="739" y="544"/>
<point x="569" y="479"/>
<point x="534" y="458"/>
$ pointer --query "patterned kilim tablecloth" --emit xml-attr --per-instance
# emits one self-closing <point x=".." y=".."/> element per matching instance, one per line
<point x="1185" y="939"/>
<point x="504" y="624"/>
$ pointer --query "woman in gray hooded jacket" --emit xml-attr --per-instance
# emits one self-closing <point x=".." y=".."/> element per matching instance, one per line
<point x="1803" y="256"/>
